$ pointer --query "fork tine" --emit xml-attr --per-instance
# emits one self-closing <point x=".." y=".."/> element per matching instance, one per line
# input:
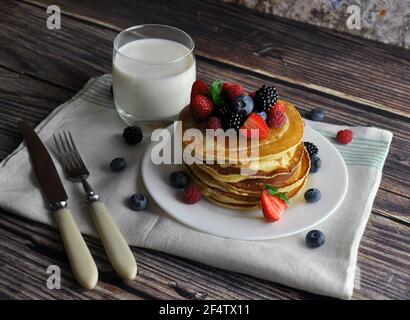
<point x="64" y="147"/>
<point x="75" y="151"/>
<point x="73" y="158"/>
<point x="61" y="153"/>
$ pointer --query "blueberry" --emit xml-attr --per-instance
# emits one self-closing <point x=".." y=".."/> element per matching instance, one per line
<point x="312" y="195"/>
<point x="315" y="239"/>
<point x="118" y="164"/>
<point x="138" y="202"/>
<point x="243" y="105"/>
<point x="317" y="114"/>
<point x="263" y="115"/>
<point x="178" y="179"/>
<point x="315" y="163"/>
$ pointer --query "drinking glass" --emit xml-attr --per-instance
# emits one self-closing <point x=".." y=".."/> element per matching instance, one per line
<point x="153" y="71"/>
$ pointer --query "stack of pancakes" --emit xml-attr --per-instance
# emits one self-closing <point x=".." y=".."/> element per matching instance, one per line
<point x="282" y="162"/>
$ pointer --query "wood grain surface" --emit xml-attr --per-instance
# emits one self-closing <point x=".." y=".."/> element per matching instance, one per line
<point x="355" y="80"/>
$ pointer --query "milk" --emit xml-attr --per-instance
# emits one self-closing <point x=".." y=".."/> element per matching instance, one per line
<point x="148" y="83"/>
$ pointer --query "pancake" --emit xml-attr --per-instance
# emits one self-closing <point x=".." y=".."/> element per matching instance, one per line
<point x="278" y="142"/>
<point x="236" y="177"/>
<point x="234" y="173"/>
<point x="250" y="194"/>
<point x="248" y="206"/>
<point x="248" y="186"/>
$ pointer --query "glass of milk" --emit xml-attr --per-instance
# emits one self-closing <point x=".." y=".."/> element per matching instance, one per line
<point x="153" y="71"/>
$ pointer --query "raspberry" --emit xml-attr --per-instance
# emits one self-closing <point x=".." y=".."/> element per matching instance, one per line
<point x="344" y="136"/>
<point x="233" y="91"/>
<point x="192" y="194"/>
<point x="214" y="123"/>
<point x="276" y="119"/>
<point x="278" y="106"/>
<point x="201" y="107"/>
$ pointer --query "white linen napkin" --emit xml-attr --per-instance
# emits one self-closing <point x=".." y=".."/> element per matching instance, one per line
<point x="90" y="116"/>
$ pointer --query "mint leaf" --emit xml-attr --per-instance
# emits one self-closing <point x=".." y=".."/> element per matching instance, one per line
<point x="216" y="92"/>
<point x="272" y="190"/>
<point x="283" y="196"/>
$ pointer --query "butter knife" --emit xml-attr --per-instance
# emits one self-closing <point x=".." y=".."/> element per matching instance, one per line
<point x="82" y="263"/>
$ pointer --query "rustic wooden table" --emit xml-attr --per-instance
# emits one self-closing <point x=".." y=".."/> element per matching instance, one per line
<point x="357" y="82"/>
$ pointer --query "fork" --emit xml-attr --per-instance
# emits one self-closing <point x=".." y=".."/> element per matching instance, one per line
<point x="117" y="249"/>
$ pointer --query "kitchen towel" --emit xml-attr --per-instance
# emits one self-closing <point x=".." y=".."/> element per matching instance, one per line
<point x="91" y="117"/>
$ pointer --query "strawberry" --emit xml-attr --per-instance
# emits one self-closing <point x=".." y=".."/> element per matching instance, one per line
<point x="199" y="87"/>
<point x="201" y="107"/>
<point x="255" y="122"/>
<point x="233" y="91"/>
<point x="272" y="206"/>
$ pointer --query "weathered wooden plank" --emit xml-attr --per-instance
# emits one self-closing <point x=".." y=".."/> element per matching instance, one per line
<point x="66" y="57"/>
<point x="340" y="65"/>
<point x="29" y="248"/>
<point x="62" y="42"/>
<point x="22" y="97"/>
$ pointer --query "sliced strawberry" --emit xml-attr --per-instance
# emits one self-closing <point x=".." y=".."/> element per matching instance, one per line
<point x="199" y="87"/>
<point x="272" y="206"/>
<point x="255" y="121"/>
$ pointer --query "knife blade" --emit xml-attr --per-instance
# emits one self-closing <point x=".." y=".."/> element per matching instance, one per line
<point x="81" y="261"/>
<point x="44" y="167"/>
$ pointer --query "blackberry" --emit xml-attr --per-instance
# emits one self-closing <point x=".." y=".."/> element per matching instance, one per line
<point x="311" y="148"/>
<point x="132" y="135"/>
<point x="265" y="97"/>
<point x="222" y="111"/>
<point x="233" y="121"/>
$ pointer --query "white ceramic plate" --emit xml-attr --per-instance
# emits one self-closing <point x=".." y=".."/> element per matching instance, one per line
<point x="204" y="216"/>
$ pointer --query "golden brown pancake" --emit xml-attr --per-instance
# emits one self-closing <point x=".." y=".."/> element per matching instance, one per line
<point x="250" y="193"/>
<point x="233" y="173"/>
<point x="278" y="142"/>
<point x="281" y="161"/>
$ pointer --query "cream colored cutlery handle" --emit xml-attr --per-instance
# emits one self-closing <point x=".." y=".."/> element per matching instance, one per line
<point x="118" y="251"/>
<point x="81" y="261"/>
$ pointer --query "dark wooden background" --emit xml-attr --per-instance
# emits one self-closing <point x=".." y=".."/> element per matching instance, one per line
<point x="357" y="82"/>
